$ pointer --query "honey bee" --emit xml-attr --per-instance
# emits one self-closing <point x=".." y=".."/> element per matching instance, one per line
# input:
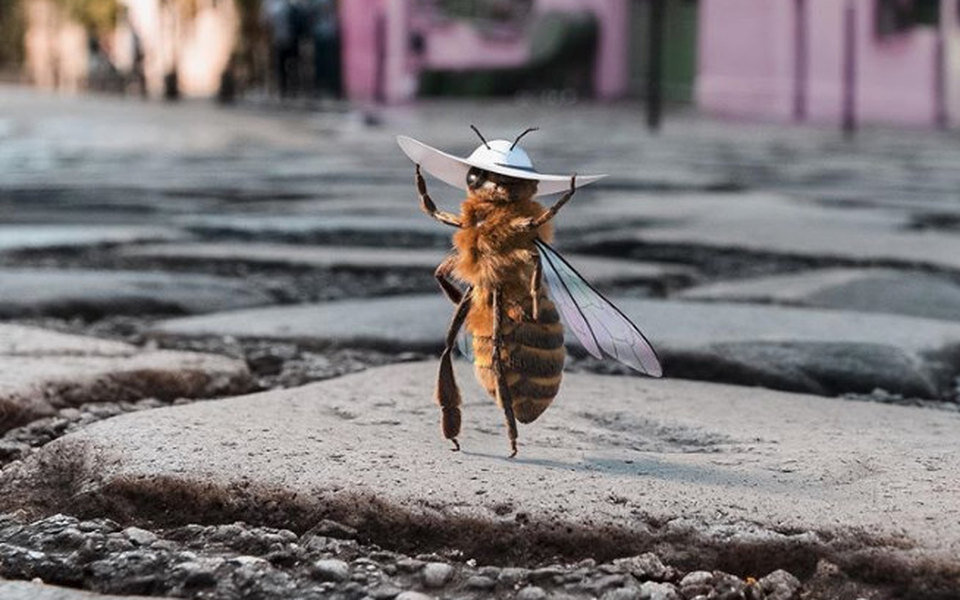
<point x="502" y="256"/>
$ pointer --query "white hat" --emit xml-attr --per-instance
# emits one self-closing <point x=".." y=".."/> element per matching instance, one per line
<point x="498" y="156"/>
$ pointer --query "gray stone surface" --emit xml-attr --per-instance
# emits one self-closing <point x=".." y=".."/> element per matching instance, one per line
<point x="38" y="292"/>
<point x="25" y="590"/>
<point x="42" y="371"/>
<point x="816" y="351"/>
<point x="309" y="227"/>
<point x="769" y="223"/>
<point x="741" y="210"/>
<point x="597" y="269"/>
<point x="864" y="290"/>
<point x="29" y="237"/>
<point x="707" y="474"/>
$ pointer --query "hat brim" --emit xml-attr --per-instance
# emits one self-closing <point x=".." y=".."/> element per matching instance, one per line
<point x="453" y="169"/>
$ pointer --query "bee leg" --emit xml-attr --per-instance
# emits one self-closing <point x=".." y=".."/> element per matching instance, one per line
<point x="535" y="283"/>
<point x="503" y="391"/>
<point x="427" y="205"/>
<point x="551" y="212"/>
<point x="441" y="274"/>
<point x="448" y="396"/>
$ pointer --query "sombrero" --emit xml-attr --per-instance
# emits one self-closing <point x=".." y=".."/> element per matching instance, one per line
<point x="499" y="156"/>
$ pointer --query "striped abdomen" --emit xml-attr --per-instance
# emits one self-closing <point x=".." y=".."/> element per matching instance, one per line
<point x="532" y="355"/>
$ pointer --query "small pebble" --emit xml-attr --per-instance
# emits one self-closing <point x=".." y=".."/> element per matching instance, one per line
<point x="531" y="592"/>
<point x="491" y="572"/>
<point x="436" y="574"/>
<point x="410" y="595"/>
<point x="652" y="590"/>
<point x="780" y="585"/>
<point x="479" y="582"/>
<point x="409" y="565"/>
<point x="511" y="575"/>
<point x="545" y="573"/>
<point x="697" y="583"/>
<point x="140" y="537"/>
<point x="646" y="566"/>
<point x="384" y="592"/>
<point x="624" y="593"/>
<point x="331" y="569"/>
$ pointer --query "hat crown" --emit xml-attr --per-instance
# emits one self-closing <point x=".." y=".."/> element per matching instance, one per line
<point x="499" y="153"/>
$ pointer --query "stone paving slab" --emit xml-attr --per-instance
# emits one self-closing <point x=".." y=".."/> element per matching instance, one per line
<point x="709" y="475"/>
<point x="43" y="371"/>
<point x="931" y="248"/>
<point x="764" y="222"/>
<point x="299" y="225"/>
<point x="599" y="269"/>
<point x="33" y="292"/>
<point x="866" y="290"/>
<point x="815" y="351"/>
<point x="24" y="590"/>
<point x="613" y="210"/>
<point x="29" y="237"/>
<point x="17" y="340"/>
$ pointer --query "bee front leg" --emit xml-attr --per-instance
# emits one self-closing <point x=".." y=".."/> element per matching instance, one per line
<point x="448" y="395"/>
<point x="503" y="391"/>
<point x="427" y="205"/>
<point x="553" y="210"/>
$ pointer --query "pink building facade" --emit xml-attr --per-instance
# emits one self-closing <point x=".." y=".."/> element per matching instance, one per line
<point x="824" y="60"/>
<point x="380" y="62"/>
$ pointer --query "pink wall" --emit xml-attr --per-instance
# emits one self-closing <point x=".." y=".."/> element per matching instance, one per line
<point x="897" y="75"/>
<point x="747" y="63"/>
<point x="358" y="22"/>
<point x="456" y="45"/>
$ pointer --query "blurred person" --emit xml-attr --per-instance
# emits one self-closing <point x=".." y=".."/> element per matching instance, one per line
<point x="326" y="48"/>
<point x="137" y="72"/>
<point x="279" y="16"/>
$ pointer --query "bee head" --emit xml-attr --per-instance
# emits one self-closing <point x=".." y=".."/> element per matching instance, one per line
<point x="497" y="188"/>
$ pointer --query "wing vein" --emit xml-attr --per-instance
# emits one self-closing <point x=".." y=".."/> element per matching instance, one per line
<point x="604" y="326"/>
<point x="567" y="290"/>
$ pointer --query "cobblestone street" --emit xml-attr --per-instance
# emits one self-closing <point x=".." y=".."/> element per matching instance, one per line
<point x="802" y="290"/>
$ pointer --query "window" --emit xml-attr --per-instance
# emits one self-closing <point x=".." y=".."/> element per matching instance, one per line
<point x="898" y="16"/>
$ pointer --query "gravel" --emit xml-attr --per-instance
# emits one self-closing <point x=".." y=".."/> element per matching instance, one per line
<point x="238" y="561"/>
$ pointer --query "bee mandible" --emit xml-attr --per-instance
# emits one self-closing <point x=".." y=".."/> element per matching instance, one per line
<point x="502" y="256"/>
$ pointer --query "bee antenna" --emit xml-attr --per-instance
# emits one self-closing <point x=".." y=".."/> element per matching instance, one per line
<point x="480" y="135"/>
<point x="528" y="130"/>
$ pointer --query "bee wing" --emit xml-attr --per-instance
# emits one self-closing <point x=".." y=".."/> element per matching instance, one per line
<point x="597" y="323"/>
<point x="465" y="345"/>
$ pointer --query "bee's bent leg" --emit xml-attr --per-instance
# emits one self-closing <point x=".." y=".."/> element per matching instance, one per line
<point x="428" y="206"/>
<point x="536" y="280"/>
<point x="441" y="274"/>
<point x="448" y="396"/>
<point x="553" y="210"/>
<point x="503" y="391"/>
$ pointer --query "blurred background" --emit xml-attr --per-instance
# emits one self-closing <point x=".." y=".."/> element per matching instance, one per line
<point x="818" y="60"/>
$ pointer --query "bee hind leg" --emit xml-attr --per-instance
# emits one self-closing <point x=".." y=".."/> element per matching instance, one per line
<point x="448" y="395"/>
<point x="536" y="280"/>
<point x="504" y="397"/>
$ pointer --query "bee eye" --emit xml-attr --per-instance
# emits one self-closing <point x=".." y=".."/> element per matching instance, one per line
<point x="476" y="177"/>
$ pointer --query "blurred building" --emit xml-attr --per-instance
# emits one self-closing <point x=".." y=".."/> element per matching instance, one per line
<point x="142" y="45"/>
<point x="396" y="50"/>
<point x="827" y="61"/>
<point x="386" y="50"/>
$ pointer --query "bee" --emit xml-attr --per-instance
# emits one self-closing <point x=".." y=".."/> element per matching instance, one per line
<point x="502" y="255"/>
